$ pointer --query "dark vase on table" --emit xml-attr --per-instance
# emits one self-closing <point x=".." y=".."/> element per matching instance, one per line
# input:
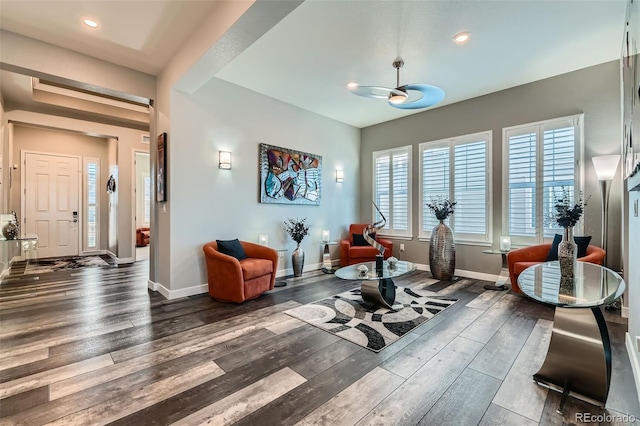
<point x="297" y="259"/>
<point x="567" y="253"/>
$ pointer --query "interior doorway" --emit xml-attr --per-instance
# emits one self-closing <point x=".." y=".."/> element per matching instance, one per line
<point x="142" y="204"/>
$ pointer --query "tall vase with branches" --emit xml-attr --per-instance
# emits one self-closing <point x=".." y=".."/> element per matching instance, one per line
<point x="297" y="230"/>
<point x="567" y="215"/>
<point x="442" y="249"/>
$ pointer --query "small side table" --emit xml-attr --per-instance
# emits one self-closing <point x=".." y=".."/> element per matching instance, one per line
<point x="280" y="283"/>
<point x="501" y="282"/>
<point x="327" y="267"/>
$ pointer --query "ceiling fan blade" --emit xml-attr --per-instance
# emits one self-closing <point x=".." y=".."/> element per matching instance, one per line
<point x="378" y="92"/>
<point x="431" y="95"/>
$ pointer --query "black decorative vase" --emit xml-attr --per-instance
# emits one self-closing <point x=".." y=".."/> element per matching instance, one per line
<point x="379" y="264"/>
<point x="442" y="252"/>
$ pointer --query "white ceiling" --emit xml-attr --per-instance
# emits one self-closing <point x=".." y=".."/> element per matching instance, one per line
<point x="308" y="57"/>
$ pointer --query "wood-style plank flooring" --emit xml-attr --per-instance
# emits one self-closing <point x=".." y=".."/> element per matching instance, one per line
<point x="95" y="346"/>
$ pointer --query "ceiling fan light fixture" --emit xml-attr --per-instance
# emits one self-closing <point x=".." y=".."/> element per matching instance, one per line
<point x="397" y="96"/>
<point x="462" y="37"/>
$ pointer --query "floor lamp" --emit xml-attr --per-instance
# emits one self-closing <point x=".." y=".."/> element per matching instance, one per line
<point x="605" y="167"/>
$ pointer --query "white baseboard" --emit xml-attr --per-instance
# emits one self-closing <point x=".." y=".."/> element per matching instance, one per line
<point x="306" y="268"/>
<point x="181" y="292"/>
<point x="632" y="351"/>
<point x="152" y="286"/>
<point x="624" y="312"/>
<point x="463" y="273"/>
<point x="204" y="288"/>
<point x="119" y="260"/>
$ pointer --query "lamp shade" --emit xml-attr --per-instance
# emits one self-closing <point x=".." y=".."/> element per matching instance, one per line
<point x="505" y="243"/>
<point x="605" y="166"/>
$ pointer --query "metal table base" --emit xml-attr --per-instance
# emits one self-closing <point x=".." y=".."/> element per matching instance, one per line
<point x="578" y="361"/>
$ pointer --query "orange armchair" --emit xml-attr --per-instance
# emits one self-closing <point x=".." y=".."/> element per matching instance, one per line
<point x="351" y="254"/>
<point x="520" y="259"/>
<point x="233" y="280"/>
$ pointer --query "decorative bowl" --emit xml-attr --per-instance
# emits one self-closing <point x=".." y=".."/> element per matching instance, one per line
<point x="362" y="269"/>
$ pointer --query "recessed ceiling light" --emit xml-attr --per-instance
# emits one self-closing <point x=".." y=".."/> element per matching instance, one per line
<point x="352" y="85"/>
<point x="461" y="38"/>
<point x="90" y="22"/>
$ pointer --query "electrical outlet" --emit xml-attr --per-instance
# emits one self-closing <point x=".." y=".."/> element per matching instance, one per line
<point x="401" y="247"/>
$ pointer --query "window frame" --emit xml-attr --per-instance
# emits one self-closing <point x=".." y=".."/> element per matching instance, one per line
<point x="485" y="239"/>
<point x="539" y="127"/>
<point x="85" y="205"/>
<point x="387" y="231"/>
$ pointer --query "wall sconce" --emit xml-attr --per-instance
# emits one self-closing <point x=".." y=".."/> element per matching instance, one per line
<point x="339" y="175"/>
<point x="326" y="236"/>
<point x="505" y="243"/>
<point x="263" y="240"/>
<point x="224" y="159"/>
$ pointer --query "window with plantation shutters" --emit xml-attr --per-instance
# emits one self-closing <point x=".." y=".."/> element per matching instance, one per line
<point x="392" y="190"/>
<point x="91" y="207"/>
<point x="540" y="160"/>
<point x="458" y="169"/>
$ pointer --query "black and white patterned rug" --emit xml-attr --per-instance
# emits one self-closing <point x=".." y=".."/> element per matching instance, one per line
<point x="347" y="316"/>
<point x="63" y="264"/>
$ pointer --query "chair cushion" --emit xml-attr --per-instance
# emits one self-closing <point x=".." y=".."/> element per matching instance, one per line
<point x="582" y="243"/>
<point x="358" y="240"/>
<point x="254" y="268"/>
<point x="231" y="248"/>
<point x="361" y="252"/>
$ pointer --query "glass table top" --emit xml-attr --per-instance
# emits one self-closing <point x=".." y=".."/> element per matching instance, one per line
<point x="592" y="285"/>
<point x="351" y="272"/>
<point x="495" y="251"/>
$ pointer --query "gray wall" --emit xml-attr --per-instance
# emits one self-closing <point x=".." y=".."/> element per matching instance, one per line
<point x="594" y="91"/>
<point x="209" y="203"/>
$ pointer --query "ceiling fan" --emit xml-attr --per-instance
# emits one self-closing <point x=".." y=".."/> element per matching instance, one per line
<point x="399" y="97"/>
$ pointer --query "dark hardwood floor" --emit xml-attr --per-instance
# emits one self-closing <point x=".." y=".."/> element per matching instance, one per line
<point x="94" y="346"/>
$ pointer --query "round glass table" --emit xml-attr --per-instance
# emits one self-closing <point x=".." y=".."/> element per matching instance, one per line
<point x="501" y="282"/>
<point x="376" y="286"/>
<point x="578" y="360"/>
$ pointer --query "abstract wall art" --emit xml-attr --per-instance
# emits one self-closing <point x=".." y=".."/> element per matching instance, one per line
<point x="289" y="177"/>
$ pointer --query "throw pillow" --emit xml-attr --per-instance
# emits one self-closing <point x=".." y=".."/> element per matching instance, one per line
<point x="232" y="248"/>
<point x="358" y="239"/>
<point x="581" y="242"/>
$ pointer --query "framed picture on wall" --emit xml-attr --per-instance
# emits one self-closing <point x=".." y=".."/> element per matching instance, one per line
<point x="161" y="169"/>
<point x="289" y="176"/>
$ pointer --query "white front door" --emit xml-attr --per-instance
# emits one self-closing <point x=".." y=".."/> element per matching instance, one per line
<point x="52" y="203"/>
